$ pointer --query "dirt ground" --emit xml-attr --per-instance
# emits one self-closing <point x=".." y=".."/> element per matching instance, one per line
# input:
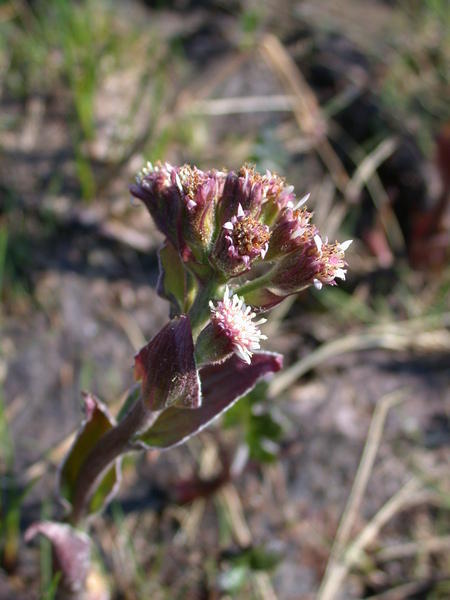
<point x="80" y="300"/>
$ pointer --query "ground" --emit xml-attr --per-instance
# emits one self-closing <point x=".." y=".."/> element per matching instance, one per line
<point x="88" y="93"/>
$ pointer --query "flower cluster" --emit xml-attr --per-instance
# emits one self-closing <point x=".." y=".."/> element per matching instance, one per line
<point x="224" y="226"/>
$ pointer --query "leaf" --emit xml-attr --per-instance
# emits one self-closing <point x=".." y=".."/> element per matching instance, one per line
<point x="222" y="386"/>
<point x="173" y="278"/>
<point x="261" y="429"/>
<point x="130" y="398"/>
<point x="96" y="423"/>
<point x="166" y="366"/>
<point x="257" y="558"/>
<point x="71" y="552"/>
<point x="233" y="579"/>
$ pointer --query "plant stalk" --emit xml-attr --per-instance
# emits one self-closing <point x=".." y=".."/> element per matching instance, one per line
<point x="200" y="311"/>
<point x="254" y="284"/>
<point x="114" y="443"/>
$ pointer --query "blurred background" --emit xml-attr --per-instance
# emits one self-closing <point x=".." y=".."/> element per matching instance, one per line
<point x="331" y="481"/>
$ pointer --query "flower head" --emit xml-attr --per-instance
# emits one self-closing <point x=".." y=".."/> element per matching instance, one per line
<point x="199" y="192"/>
<point x="313" y="262"/>
<point x="243" y="239"/>
<point x="330" y="261"/>
<point x="233" y="320"/>
<point x="290" y="230"/>
<point x="157" y="186"/>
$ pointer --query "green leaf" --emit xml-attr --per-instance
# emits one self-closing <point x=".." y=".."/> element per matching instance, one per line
<point x="254" y="415"/>
<point x="172" y="282"/>
<point x="97" y="422"/>
<point x="130" y="399"/>
<point x="258" y="558"/>
<point x="233" y="579"/>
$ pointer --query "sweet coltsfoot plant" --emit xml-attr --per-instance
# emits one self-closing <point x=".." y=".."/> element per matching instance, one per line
<point x="236" y="245"/>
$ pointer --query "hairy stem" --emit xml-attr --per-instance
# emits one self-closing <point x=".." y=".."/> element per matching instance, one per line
<point x="254" y="284"/>
<point x="199" y="312"/>
<point x="114" y="443"/>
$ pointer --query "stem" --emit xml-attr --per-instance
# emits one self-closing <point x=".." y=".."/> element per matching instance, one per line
<point x="115" y="442"/>
<point x="199" y="312"/>
<point x="254" y="284"/>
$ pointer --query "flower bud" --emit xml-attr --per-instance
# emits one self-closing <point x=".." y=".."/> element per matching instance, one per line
<point x="157" y="187"/>
<point x="200" y="192"/>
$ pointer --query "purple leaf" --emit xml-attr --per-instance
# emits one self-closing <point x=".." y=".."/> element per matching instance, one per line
<point x="167" y="368"/>
<point x="222" y="386"/>
<point x="96" y="423"/>
<point x="71" y="553"/>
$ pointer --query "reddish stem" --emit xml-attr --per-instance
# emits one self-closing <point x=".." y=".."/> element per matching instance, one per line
<point x="114" y="443"/>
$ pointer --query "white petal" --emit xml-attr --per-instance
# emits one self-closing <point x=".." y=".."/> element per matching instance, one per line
<point x="317" y="284"/>
<point x="302" y="201"/>
<point x="242" y="354"/>
<point x="240" y="211"/>
<point x="318" y="242"/>
<point x="340" y="273"/>
<point x="228" y="225"/>
<point x="345" y="245"/>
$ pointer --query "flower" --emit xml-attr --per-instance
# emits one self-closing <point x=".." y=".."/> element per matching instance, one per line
<point x="157" y="186"/>
<point x="199" y="194"/>
<point x="242" y="239"/>
<point x="330" y="261"/>
<point x="290" y="230"/>
<point x="233" y="320"/>
<point x="314" y="262"/>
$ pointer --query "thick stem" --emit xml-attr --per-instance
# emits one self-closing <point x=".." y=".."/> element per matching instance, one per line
<point x="199" y="312"/>
<point x="115" y="442"/>
<point x="254" y="284"/>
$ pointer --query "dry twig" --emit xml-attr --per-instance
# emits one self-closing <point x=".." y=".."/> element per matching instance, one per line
<point x="408" y="495"/>
<point x="306" y="109"/>
<point x="359" y="485"/>
<point x="427" y="333"/>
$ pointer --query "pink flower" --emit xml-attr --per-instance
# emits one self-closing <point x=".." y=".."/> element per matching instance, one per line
<point x="242" y="240"/>
<point x="314" y="262"/>
<point x="233" y="320"/>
